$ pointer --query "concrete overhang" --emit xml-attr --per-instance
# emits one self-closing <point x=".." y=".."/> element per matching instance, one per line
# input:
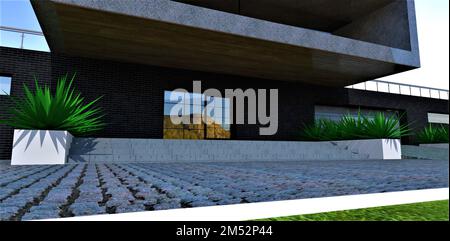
<point x="173" y="34"/>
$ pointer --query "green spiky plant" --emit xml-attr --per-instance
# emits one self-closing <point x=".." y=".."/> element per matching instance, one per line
<point x="350" y="128"/>
<point x="65" y="110"/>
<point x="381" y="126"/>
<point x="314" y="132"/>
<point x="432" y="134"/>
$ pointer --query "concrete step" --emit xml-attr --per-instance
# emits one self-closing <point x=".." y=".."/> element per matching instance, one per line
<point x="424" y="152"/>
<point x="101" y="150"/>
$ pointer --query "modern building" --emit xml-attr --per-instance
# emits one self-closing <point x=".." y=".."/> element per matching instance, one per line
<point x="134" y="52"/>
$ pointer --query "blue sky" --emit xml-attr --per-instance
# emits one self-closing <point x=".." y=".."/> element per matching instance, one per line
<point x="19" y="14"/>
<point x="432" y="24"/>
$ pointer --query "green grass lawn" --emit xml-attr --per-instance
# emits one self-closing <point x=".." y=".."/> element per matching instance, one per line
<point x="426" y="211"/>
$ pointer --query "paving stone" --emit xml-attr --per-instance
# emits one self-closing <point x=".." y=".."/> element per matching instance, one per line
<point x="6" y="212"/>
<point x="217" y="196"/>
<point x="92" y="196"/>
<point x="46" y="206"/>
<point x="114" y="202"/>
<point x="201" y="203"/>
<point x="147" y="195"/>
<point x="167" y="205"/>
<point x="122" y="195"/>
<point x="42" y="212"/>
<point x="169" y="185"/>
<point x="58" y="197"/>
<point x="40" y="215"/>
<point x="148" y="202"/>
<point x="231" y="201"/>
<point x="18" y="200"/>
<point x="130" y="208"/>
<point x="89" y="208"/>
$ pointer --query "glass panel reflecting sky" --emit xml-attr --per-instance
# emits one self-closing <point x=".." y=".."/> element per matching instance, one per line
<point x="5" y="85"/>
<point x="19" y="14"/>
<point x="14" y="40"/>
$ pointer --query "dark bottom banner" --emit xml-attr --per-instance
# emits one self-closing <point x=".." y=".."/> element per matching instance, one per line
<point x="254" y="230"/>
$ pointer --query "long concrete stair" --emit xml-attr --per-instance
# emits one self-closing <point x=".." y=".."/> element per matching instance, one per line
<point x="108" y="150"/>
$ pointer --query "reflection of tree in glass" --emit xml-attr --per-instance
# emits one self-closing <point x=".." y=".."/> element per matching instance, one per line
<point x="214" y="127"/>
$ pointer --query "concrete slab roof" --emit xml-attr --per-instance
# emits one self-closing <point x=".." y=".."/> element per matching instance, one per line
<point x="173" y="34"/>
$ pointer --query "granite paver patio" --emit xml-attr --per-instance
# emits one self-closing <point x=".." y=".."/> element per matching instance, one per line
<point x="38" y="192"/>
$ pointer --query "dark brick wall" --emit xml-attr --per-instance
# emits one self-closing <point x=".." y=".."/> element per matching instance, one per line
<point x="133" y="95"/>
<point x="23" y="66"/>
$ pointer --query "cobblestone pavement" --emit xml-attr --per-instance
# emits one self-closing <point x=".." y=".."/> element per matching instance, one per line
<point x="36" y="192"/>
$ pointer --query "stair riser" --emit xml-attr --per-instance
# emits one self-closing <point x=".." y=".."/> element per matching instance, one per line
<point x="154" y="150"/>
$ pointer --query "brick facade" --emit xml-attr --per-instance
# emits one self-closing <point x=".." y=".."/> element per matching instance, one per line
<point x="133" y="95"/>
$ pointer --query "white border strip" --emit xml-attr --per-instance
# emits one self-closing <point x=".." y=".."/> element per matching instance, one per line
<point x="259" y="210"/>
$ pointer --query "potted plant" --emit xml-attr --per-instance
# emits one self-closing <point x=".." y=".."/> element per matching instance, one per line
<point x="45" y="123"/>
<point x="377" y="137"/>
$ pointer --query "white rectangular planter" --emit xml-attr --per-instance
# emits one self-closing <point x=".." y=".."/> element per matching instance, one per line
<point x="40" y="147"/>
<point x="374" y="148"/>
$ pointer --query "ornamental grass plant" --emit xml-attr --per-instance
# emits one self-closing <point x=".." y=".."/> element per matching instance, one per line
<point x="63" y="110"/>
<point x="348" y="127"/>
<point x="433" y="134"/>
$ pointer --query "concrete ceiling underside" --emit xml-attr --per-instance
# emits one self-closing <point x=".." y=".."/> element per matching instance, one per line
<point x="323" y="15"/>
<point x="85" y="32"/>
